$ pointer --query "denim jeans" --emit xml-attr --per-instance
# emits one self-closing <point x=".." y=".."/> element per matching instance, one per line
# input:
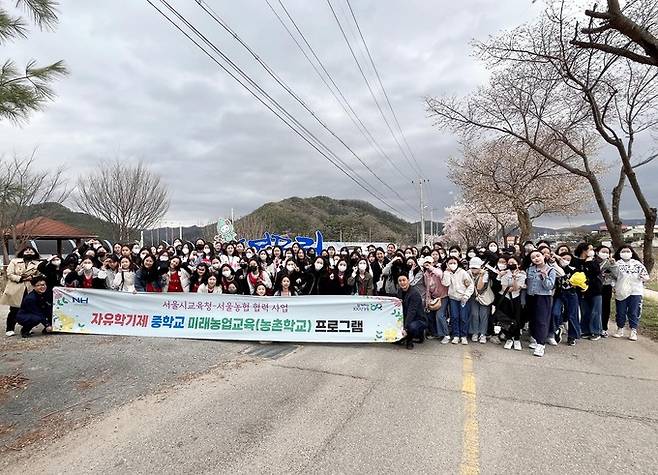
<point x="590" y="318"/>
<point x="479" y="318"/>
<point x="438" y="321"/>
<point x="630" y="307"/>
<point x="459" y="317"/>
<point x="416" y="329"/>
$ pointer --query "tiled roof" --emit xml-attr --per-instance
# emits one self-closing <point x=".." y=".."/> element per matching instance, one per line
<point x="44" y="228"/>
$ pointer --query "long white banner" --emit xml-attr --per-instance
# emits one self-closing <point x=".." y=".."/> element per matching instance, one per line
<point x="335" y="319"/>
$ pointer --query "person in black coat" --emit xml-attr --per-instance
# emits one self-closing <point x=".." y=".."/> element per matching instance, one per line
<point x="318" y="278"/>
<point x="36" y="308"/>
<point x="52" y="270"/>
<point x="415" y="318"/>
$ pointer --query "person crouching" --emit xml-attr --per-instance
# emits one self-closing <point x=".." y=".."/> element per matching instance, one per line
<point x="413" y="310"/>
<point x="37" y="307"/>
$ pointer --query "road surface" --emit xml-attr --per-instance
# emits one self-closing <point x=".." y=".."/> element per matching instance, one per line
<point x="94" y="404"/>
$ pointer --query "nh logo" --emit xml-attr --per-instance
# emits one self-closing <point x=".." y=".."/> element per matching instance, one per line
<point x="80" y="300"/>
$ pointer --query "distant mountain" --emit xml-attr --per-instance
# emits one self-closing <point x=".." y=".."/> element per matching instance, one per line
<point x="59" y="212"/>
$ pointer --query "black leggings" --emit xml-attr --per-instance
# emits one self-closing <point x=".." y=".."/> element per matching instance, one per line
<point x="11" y="318"/>
<point x="606" y="294"/>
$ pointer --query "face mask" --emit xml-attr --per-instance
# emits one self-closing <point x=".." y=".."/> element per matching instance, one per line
<point x="226" y="273"/>
<point x="408" y="255"/>
<point x="454" y="254"/>
<point x="216" y="266"/>
<point x="135" y="250"/>
<point x="269" y="252"/>
<point x="493" y="248"/>
<point x="502" y="266"/>
<point x="253" y="268"/>
<point x="590" y="253"/>
<point x="87" y="266"/>
<point x="290" y="268"/>
<point x="626" y="255"/>
<point x="604" y="255"/>
<point x="566" y="262"/>
<point x="512" y="267"/>
<point x="452" y="267"/>
<point x="319" y="266"/>
<point x="164" y="258"/>
<point x="471" y="254"/>
<point x="249" y="255"/>
<point x="206" y="250"/>
<point x="199" y="247"/>
<point x="342" y="267"/>
<point x="143" y="255"/>
<point x="56" y="263"/>
<point x="362" y="267"/>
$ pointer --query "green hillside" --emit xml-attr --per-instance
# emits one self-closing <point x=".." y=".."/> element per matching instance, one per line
<point x="355" y="220"/>
<point x="82" y="221"/>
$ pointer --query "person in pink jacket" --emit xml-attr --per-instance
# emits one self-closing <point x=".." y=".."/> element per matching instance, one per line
<point x="434" y="289"/>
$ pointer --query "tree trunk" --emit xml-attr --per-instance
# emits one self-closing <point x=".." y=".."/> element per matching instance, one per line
<point x="613" y="228"/>
<point x="616" y="198"/>
<point x="525" y="224"/>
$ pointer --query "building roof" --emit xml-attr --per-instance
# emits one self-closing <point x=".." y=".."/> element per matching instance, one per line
<point x="46" y="228"/>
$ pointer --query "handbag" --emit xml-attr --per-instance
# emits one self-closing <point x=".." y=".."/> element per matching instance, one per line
<point x="434" y="304"/>
<point x="487" y="297"/>
<point x="503" y="315"/>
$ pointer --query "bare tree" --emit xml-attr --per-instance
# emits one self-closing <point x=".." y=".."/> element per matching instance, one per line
<point x="504" y="175"/>
<point x="250" y="227"/>
<point x="626" y="31"/>
<point x="563" y="102"/>
<point x="127" y="196"/>
<point x="21" y="186"/>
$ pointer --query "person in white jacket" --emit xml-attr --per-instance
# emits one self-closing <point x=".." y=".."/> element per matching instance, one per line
<point x="460" y="288"/>
<point x="630" y="276"/>
<point x="211" y="287"/>
<point x="124" y="279"/>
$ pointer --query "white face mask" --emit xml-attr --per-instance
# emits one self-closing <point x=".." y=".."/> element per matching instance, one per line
<point x="590" y="253"/>
<point x="87" y="266"/>
<point x="362" y="267"/>
<point x="318" y="266"/>
<point x="135" y="250"/>
<point x="625" y="255"/>
<point x="493" y="248"/>
<point x="502" y="266"/>
<point x="342" y="267"/>
<point x="452" y="267"/>
<point x="249" y="255"/>
<point x="206" y="250"/>
<point x="226" y="273"/>
<point x="454" y="254"/>
<point x="471" y="254"/>
<point x="290" y="268"/>
<point x="604" y="255"/>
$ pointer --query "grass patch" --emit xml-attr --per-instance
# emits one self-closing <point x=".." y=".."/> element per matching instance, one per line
<point x="652" y="284"/>
<point x="649" y="319"/>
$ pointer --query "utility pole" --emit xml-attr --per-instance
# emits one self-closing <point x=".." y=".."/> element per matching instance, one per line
<point x="420" y="182"/>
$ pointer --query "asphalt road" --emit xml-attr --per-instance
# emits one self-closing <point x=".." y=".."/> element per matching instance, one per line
<point x="93" y="404"/>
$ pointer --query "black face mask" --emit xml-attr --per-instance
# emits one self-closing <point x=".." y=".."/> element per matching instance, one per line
<point x="29" y="257"/>
<point x="512" y="267"/>
<point x="199" y="247"/>
<point x="243" y="265"/>
<point x="253" y="268"/>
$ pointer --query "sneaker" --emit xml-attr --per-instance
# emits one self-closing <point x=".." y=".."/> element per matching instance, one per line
<point x="517" y="345"/>
<point x="604" y="334"/>
<point x="455" y="340"/>
<point x="483" y="339"/>
<point x="551" y="341"/>
<point x="533" y="344"/>
<point x="539" y="351"/>
<point x="410" y="345"/>
<point x="495" y="340"/>
<point x="431" y="337"/>
<point x="595" y="337"/>
<point x="571" y="341"/>
<point x="619" y="333"/>
<point x="558" y="334"/>
<point x="10" y="333"/>
<point x="508" y="344"/>
<point x="533" y="341"/>
<point x="445" y="340"/>
<point x="633" y="336"/>
<point x="474" y="338"/>
<point x="25" y="334"/>
<point x="464" y="340"/>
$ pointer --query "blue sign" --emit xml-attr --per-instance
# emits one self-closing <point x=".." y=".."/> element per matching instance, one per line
<point x="285" y="242"/>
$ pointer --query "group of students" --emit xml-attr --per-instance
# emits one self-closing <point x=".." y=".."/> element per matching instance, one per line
<point x="487" y="293"/>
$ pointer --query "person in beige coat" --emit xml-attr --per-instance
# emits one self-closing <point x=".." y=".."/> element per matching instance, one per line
<point x="19" y="272"/>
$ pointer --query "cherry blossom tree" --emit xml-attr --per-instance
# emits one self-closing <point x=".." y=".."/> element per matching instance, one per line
<point x="503" y="174"/>
<point x="468" y="224"/>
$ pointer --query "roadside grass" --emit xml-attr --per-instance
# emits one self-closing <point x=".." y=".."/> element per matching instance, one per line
<point x="652" y="284"/>
<point x="649" y="319"/>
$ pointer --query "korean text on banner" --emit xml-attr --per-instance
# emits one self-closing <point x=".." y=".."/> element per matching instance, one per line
<point x="330" y="319"/>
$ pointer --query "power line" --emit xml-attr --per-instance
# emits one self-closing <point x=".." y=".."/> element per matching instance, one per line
<point x="255" y="86"/>
<point x="381" y="84"/>
<point x="220" y="21"/>
<point x="345" y="104"/>
<point x="372" y="94"/>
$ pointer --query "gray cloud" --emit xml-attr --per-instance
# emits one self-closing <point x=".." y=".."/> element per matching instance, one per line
<point x="139" y="90"/>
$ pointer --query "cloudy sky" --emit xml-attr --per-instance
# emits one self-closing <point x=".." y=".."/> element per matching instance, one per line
<point x="139" y="90"/>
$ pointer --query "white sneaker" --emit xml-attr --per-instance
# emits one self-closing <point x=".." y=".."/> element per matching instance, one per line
<point x="455" y="340"/>
<point x="508" y="344"/>
<point x="10" y="333"/>
<point x="633" y="336"/>
<point x="483" y="339"/>
<point x="551" y="341"/>
<point x="446" y="339"/>
<point x="474" y="338"/>
<point x="517" y="345"/>
<point x="532" y="345"/>
<point x="539" y="351"/>
<point x="464" y="340"/>
<point x="619" y="333"/>
<point x="533" y="341"/>
<point x="495" y="340"/>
